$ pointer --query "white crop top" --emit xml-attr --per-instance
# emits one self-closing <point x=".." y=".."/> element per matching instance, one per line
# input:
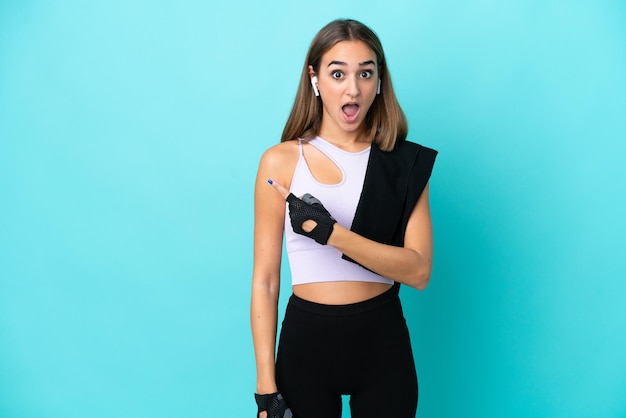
<point x="311" y="262"/>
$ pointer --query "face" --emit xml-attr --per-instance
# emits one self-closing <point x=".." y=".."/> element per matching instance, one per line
<point x="347" y="82"/>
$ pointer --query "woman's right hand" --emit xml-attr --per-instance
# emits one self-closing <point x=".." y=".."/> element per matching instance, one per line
<point x="272" y="405"/>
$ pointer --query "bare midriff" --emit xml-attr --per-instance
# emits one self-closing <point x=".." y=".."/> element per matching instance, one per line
<point x="339" y="293"/>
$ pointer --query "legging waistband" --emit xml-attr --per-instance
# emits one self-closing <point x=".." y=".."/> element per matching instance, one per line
<point x="345" y="310"/>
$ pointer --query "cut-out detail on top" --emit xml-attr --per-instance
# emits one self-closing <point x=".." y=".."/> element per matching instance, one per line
<point x="322" y="167"/>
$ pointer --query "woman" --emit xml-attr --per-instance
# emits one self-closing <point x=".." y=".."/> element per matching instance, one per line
<point x="366" y="230"/>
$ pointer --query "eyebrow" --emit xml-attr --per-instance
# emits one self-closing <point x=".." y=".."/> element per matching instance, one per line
<point x="370" y="62"/>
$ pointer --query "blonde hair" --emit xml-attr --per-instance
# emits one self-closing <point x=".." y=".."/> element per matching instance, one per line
<point x="385" y="123"/>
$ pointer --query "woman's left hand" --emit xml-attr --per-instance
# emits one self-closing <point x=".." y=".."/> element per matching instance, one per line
<point x="280" y="188"/>
<point x="308" y="215"/>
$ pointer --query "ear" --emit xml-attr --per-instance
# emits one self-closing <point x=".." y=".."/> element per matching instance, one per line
<point x="313" y="78"/>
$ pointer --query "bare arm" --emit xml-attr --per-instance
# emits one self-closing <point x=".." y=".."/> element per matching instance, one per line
<point x="269" y="213"/>
<point x="410" y="264"/>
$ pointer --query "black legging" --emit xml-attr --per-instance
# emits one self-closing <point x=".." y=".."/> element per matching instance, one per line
<point x="361" y="349"/>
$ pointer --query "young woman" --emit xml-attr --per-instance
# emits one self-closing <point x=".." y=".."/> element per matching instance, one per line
<point x="350" y="195"/>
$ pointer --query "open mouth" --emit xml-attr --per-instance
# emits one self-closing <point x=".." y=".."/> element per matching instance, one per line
<point x="350" y="111"/>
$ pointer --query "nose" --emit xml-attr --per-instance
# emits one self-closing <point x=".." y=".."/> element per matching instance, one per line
<point x="352" y="86"/>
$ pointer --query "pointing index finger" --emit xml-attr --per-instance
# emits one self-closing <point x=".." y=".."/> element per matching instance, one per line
<point x="280" y="188"/>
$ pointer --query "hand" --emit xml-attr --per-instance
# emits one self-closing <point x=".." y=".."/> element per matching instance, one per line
<point x="308" y="215"/>
<point x="273" y="405"/>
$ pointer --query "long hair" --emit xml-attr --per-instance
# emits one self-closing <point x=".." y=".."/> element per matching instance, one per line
<point x="385" y="122"/>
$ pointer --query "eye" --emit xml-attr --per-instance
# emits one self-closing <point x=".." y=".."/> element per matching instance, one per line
<point x="366" y="74"/>
<point x="337" y="75"/>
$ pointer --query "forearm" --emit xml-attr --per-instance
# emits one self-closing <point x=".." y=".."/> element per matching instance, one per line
<point x="405" y="265"/>
<point x="263" y="318"/>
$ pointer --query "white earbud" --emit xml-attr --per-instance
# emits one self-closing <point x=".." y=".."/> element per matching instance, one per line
<point x="378" y="90"/>
<point x="314" y="84"/>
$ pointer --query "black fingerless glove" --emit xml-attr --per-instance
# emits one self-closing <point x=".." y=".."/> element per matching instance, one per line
<point x="309" y="208"/>
<point x="274" y="404"/>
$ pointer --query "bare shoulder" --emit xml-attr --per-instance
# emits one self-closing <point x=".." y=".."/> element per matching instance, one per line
<point x="279" y="161"/>
<point x="282" y="153"/>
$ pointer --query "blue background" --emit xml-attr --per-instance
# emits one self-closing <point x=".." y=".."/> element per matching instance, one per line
<point x="130" y="132"/>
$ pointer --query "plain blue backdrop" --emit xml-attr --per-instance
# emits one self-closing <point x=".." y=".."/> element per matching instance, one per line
<point x="130" y="132"/>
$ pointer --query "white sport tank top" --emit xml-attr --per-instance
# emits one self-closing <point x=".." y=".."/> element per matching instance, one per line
<point x="311" y="262"/>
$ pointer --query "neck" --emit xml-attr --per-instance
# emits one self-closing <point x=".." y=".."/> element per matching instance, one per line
<point x="349" y="141"/>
